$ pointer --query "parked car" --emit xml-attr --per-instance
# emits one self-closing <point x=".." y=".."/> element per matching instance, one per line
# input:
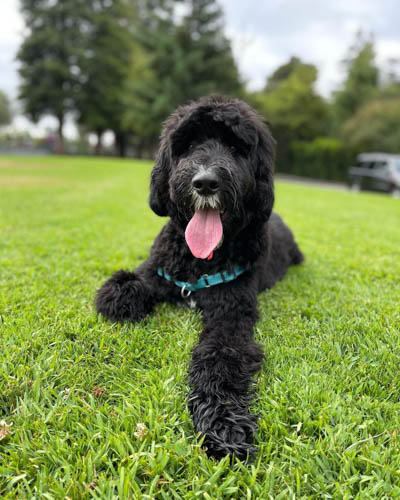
<point x="377" y="172"/>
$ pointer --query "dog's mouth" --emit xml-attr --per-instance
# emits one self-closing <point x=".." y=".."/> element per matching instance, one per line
<point x="204" y="233"/>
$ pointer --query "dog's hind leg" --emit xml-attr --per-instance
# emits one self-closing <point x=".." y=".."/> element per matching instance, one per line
<point x="221" y="370"/>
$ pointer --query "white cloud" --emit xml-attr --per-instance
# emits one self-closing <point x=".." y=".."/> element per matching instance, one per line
<point x="11" y="23"/>
<point x="255" y="57"/>
<point x="318" y="32"/>
<point x="387" y="49"/>
<point x="11" y="28"/>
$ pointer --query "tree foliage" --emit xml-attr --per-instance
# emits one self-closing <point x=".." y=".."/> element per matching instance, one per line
<point x="362" y="78"/>
<point x="295" y="106"/>
<point x="175" y="61"/>
<point x="125" y="65"/>
<point x="207" y="52"/>
<point x="292" y="106"/>
<point x="104" y="66"/>
<point x="49" y="57"/>
<point x="122" y="65"/>
<point x="282" y="73"/>
<point x="5" y="110"/>
<point x="375" y="126"/>
<point x="367" y="108"/>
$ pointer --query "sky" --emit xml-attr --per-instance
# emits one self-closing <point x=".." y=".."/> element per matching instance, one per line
<point x="264" y="34"/>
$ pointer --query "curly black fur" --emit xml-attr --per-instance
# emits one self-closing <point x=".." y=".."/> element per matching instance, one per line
<point x="228" y="138"/>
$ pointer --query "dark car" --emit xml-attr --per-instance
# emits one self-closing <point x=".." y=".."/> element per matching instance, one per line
<point x="377" y="172"/>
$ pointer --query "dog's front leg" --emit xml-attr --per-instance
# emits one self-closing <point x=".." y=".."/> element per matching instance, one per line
<point x="221" y="372"/>
<point x="128" y="296"/>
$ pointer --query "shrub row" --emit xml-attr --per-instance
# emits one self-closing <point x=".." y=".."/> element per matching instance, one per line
<point x="322" y="158"/>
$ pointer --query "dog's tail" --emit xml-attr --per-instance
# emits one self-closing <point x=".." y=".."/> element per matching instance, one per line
<point x="296" y="254"/>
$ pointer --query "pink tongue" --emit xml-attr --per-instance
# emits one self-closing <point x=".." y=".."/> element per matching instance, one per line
<point x="204" y="232"/>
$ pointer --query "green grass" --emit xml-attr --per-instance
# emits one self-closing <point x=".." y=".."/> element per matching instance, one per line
<point x="77" y="389"/>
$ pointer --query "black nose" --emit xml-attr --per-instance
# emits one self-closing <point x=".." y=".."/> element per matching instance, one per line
<point x="205" y="183"/>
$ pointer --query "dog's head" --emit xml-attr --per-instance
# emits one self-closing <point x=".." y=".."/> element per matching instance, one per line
<point x="214" y="171"/>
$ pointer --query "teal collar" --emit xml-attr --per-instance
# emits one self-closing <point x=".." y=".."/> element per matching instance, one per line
<point x="205" y="281"/>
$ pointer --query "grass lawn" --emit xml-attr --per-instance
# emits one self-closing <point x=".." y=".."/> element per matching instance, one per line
<point x="92" y="409"/>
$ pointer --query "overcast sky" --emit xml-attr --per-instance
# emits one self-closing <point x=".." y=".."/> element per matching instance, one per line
<point x="265" y="33"/>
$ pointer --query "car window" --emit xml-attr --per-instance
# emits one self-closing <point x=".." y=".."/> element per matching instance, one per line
<point x="397" y="165"/>
<point x="379" y="165"/>
<point x="372" y="164"/>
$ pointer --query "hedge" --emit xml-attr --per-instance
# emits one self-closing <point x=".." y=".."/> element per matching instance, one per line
<point x="322" y="158"/>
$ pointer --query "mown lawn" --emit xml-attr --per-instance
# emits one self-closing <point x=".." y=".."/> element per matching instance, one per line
<point x="91" y="409"/>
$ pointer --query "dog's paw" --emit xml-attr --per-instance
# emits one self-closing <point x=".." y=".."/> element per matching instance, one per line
<point x="227" y="428"/>
<point x="124" y="297"/>
<point x="232" y="439"/>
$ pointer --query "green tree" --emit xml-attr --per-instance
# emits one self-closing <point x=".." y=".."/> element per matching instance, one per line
<point x="142" y="107"/>
<point x="208" y="60"/>
<point x="282" y="73"/>
<point x="367" y="109"/>
<point x="149" y="87"/>
<point x="49" y="58"/>
<point x="375" y="126"/>
<point x="292" y="106"/>
<point x="178" y="60"/>
<point x="362" y="81"/>
<point x="5" y="110"/>
<point x="104" y="67"/>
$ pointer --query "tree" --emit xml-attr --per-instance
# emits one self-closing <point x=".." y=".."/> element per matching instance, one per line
<point x="362" y="79"/>
<point x="282" y="73"/>
<point x="148" y="88"/>
<point x="367" y="109"/>
<point x="104" y="66"/>
<point x="375" y="126"/>
<point x="142" y="114"/>
<point x="48" y="58"/>
<point x="292" y="106"/>
<point x="208" y="59"/>
<point x="5" y="110"/>
<point x="177" y="60"/>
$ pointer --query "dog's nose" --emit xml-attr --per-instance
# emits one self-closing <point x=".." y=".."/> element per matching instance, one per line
<point x="205" y="183"/>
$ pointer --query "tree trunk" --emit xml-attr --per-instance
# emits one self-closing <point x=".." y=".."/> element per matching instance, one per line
<point x="60" y="147"/>
<point x="99" y="144"/>
<point x="139" y="149"/>
<point x="120" y="142"/>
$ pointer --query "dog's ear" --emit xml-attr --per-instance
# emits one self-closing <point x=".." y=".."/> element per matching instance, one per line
<point x="264" y="165"/>
<point x="159" y="200"/>
<point x="249" y="128"/>
<point x="159" y="183"/>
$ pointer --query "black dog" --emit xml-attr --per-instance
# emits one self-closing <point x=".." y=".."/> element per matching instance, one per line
<point x="213" y="177"/>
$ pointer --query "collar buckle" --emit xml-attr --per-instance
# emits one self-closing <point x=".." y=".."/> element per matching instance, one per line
<point x="205" y="278"/>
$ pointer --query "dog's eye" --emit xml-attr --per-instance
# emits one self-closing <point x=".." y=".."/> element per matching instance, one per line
<point x="232" y="149"/>
<point x="191" y="145"/>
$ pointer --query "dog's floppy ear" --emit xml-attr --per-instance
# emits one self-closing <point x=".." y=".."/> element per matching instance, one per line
<point x="159" y="200"/>
<point x="264" y="163"/>
<point x="250" y="128"/>
<point x="159" y="187"/>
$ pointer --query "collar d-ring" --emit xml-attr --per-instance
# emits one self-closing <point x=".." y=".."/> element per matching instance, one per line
<point x="185" y="292"/>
